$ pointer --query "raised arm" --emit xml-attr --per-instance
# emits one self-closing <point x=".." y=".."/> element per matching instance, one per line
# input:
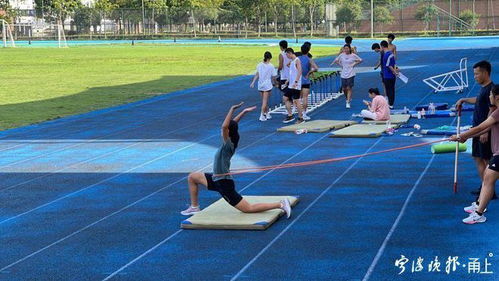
<point x="242" y="113"/>
<point x="228" y="117"/>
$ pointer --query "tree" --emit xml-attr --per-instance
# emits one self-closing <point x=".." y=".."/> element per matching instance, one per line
<point x="312" y="7"/>
<point x="54" y="10"/>
<point x="382" y="16"/>
<point x="82" y="19"/>
<point x="349" y="15"/>
<point x="105" y="7"/>
<point x="6" y="11"/>
<point x="426" y="14"/>
<point x="200" y="4"/>
<point x="470" y="18"/>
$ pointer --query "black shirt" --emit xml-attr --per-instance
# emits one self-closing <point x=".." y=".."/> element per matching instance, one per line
<point x="482" y="105"/>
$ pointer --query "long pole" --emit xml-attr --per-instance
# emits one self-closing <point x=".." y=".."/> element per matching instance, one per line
<point x="372" y="18"/>
<point x="450" y="16"/>
<point x="457" y="147"/>
<point x="143" y="18"/>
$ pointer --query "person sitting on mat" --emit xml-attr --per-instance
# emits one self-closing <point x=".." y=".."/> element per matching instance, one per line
<point x="491" y="173"/>
<point x="221" y="181"/>
<point x="378" y="109"/>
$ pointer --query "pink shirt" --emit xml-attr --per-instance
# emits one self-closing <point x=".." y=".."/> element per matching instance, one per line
<point x="380" y="107"/>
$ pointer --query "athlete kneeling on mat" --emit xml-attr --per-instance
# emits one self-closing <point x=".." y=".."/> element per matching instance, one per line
<point x="491" y="174"/>
<point x="220" y="180"/>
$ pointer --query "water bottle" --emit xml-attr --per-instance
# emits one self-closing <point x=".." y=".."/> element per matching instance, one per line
<point x="388" y="124"/>
<point x="419" y="115"/>
<point x="406" y="110"/>
<point x="431" y="108"/>
<point x="423" y="113"/>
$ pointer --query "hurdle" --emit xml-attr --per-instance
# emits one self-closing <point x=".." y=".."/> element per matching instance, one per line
<point x="323" y="89"/>
<point x="456" y="80"/>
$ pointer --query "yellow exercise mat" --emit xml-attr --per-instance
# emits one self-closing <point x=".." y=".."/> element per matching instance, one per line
<point x="221" y="215"/>
<point x="360" y="131"/>
<point x="394" y="119"/>
<point x="318" y="126"/>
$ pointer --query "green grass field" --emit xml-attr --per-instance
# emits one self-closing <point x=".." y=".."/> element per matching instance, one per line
<point x="40" y="84"/>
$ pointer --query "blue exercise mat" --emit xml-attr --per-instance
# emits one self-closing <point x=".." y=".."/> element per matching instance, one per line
<point x="438" y="113"/>
<point x="438" y="106"/>
<point x="444" y="130"/>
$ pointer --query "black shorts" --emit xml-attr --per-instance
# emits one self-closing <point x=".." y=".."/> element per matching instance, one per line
<point x="282" y="82"/>
<point x="306" y="86"/>
<point x="481" y="150"/>
<point x="225" y="187"/>
<point x="348" y="82"/>
<point x="292" y="94"/>
<point x="494" y="163"/>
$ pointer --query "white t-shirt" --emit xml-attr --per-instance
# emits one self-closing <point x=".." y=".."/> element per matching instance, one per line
<point x="285" y="67"/>
<point x="293" y="72"/>
<point x="346" y="62"/>
<point x="265" y="73"/>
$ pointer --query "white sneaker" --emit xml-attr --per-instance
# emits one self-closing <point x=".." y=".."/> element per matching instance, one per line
<point x="268" y="116"/>
<point x="347" y="105"/>
<point x="472" y="208"/>
<point x="190" y="211"/>
<point x="286" y="207"/>
<point x="474" y="218"/>
<point x="262" y="118"/>
<point x="305" y="117"/>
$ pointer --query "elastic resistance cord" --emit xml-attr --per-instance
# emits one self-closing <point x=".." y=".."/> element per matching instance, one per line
<point x="316" y="162"/>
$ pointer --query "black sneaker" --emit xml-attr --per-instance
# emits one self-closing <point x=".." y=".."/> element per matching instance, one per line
<point x="300" y="120"/>
<point x="289" y="119"/>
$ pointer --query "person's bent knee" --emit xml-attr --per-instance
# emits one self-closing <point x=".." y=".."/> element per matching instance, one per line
<point x="193" y="177"/>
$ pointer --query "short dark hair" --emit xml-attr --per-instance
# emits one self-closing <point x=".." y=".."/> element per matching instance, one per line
<point x="348" y="39"/>
<point x="283" y="44"/>
<point x="289" y="50"/>
<point x="495" y="90"/>
<point x="374" y="91"/>
<point x="485" y="65"/>
<point x="384" y="44"/>
<point x="267" y="56"/>
<point x="375" y="46"/>
<point x="307" y="43"/>
<point x="305" y="49"/>
<point x="234" y="133"/>
<point x="391" y="36"/>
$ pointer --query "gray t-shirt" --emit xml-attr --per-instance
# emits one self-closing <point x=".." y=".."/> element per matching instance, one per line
<point x="221" y="164"/>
